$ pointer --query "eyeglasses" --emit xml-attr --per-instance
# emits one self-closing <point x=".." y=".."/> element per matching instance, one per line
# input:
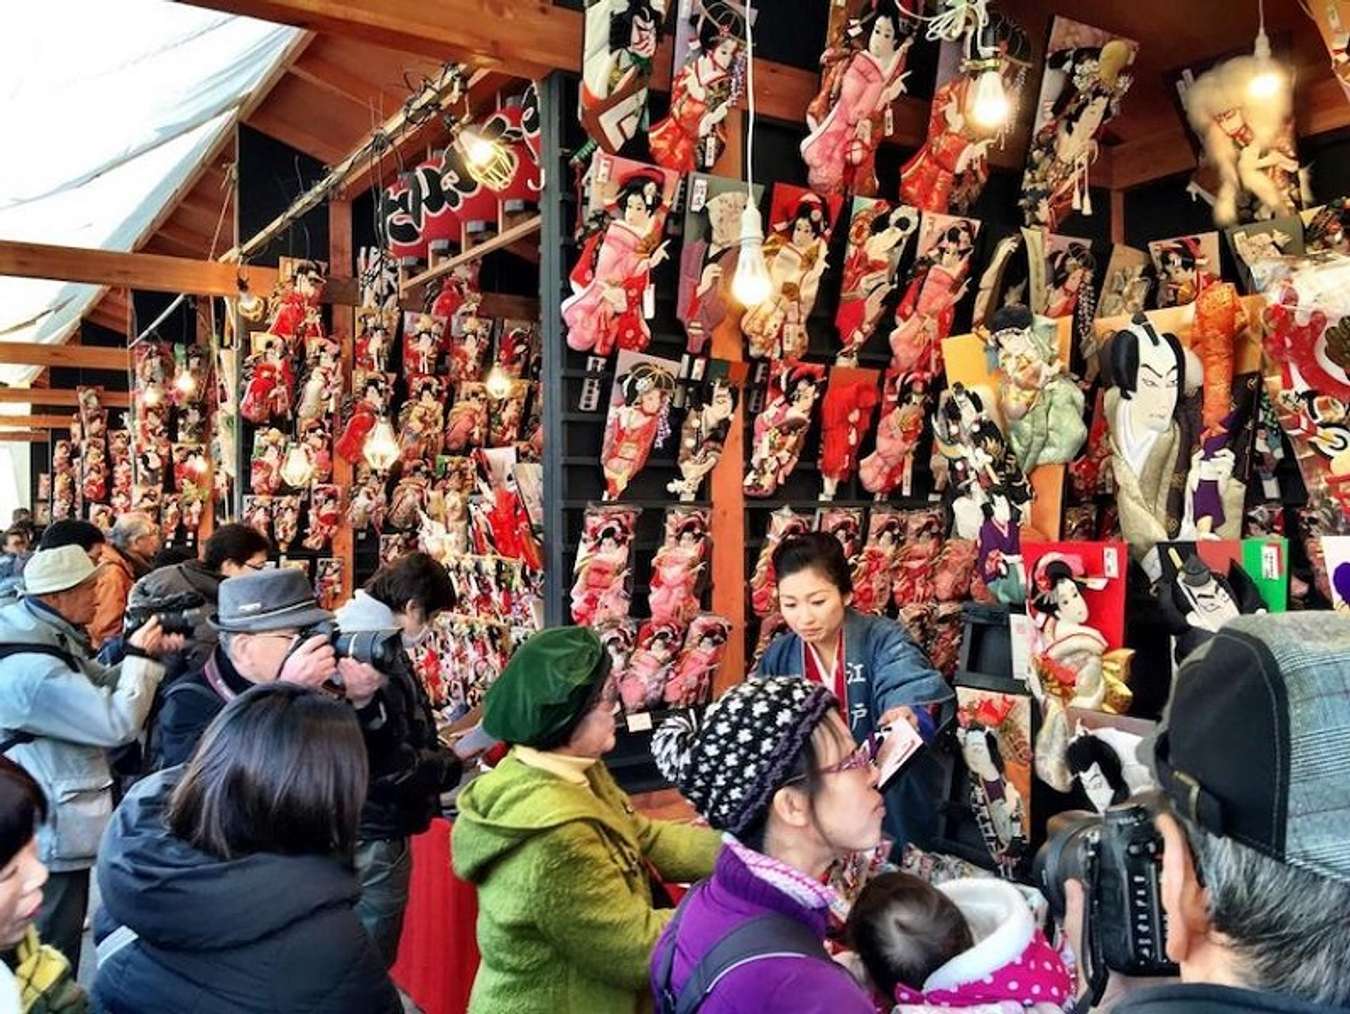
<point x="863" y="757"/>
<point x="256" y="566"/>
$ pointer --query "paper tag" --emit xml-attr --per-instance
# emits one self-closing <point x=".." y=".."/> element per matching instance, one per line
<point x="641" y="722"/>
<point x="890" y="121"/>
<point x="1270" y="561"/>
<point x="900" y="742"/>
<point x="1110" y="566"/>
<point x="649" y="301"/>
<point x="1270" y="486"/>
<point x="710" y="151"/>
<point x="698" y="195"/>
<point x="1020" y="632"/>
<point x="602" y="169"/>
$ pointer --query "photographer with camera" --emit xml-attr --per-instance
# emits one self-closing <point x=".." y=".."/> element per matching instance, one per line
<point x="266" y="623"/>
<point x="61" y="711"/>
<point x="409" y="768"/>
<point x="1240" y="867"/>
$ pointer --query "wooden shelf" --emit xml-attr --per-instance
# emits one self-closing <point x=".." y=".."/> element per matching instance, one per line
<point x="498" y="242"/>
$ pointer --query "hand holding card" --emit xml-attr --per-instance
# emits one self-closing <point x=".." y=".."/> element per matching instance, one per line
<point x="900" y="742"/>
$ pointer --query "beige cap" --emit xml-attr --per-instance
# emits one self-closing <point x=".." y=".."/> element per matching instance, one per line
<point x="56" y="570"/>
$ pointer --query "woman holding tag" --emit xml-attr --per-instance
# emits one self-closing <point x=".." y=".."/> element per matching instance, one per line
<point x="881" y="678"/>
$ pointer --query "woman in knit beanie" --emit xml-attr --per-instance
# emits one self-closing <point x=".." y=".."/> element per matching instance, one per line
<point x="773" y="765"/>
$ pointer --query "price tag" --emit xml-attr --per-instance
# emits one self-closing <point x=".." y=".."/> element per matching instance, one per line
<point x="1110" y="565"/>
<point x="641" y="722"/>
<point x="1020" y="634"/>
<point x="698" y="197"/>
<point x="649" y="301"/>
<point x="1270" y="561"/>
<point x="710" y="151"/>
<point x="602" y="169"/>
<point x="890" y="121"/>
<point x="1270" y="486"/>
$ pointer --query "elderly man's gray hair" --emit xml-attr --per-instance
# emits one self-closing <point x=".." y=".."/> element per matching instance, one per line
<point x="130" y="527"/>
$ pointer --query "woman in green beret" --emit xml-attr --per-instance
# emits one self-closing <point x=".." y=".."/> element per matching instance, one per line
<point x="562" y="861"/>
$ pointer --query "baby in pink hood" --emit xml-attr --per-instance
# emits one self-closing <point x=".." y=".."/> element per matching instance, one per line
<point x="969" y="945"/>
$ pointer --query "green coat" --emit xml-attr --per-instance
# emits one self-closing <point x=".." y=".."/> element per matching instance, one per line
<point x="565" y="917"/>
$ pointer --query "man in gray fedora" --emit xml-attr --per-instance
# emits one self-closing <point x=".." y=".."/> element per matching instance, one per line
<point x="265" y="622"/>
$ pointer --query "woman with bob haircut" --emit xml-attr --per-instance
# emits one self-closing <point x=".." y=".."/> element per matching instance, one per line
<point x="227" y="883"/>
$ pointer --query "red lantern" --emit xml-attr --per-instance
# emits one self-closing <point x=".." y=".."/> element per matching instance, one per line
<point x="420" y="209"/>
<point x="523" y="130"/>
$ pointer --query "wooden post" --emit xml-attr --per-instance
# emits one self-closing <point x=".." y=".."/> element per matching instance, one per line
<point x="205" y="325"/>
<point x="1118" y="216"/>
<point x="344" y="328"/>
<point x="727" y="524"/>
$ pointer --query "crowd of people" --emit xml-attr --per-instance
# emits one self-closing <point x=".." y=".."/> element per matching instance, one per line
<point x="244" y="789"/>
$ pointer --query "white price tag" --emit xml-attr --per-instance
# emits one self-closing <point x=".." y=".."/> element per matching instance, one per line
<point x="602" y="169"/>
<point x="649" y="301"/>
<point x="1110" y="565"/>
<point x="1270" y="561"/>
<point x="1020" y="633"/>
<point x="641" y="722"/>
<point x="1270" y="486"/>
<point x="698" y="197"/>
<point x="890" y="121"/>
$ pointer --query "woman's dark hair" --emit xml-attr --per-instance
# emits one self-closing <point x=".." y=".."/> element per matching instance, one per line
<point x="718" y="22"/>
<point x="72" y="532"/>
<point x="1055" y="572"/>
<point x="636" y="186"/>
<point x="233" y="542"/>
<point x="282" y="769"/>
<point x="888" y="10"/>
<point x="819" y="551"/>
<point x="621" y="22"/>
<point x="22" y="808"/>
<point x="171" y="556"/>
<point x="415" y="578"/>
<point x="804" y="772"/>
<point x="905" y="929"/>
<point x="1062" y="262"/>
<point x="815" y="215"/>
<point x="1085" y="751"/>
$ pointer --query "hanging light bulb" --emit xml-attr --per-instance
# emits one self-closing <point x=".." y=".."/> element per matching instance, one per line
<point x="298" y="468"/>
<point x="1268" y="80"/>
<point x="990" y="107"/>
<point x="381" y="447"/>
<point x="152" y="396"/>
<point x="185" y="382"/>
<point x="498" y="382"/>
<point x="490" y="162"/>
<point x="751" y="285"/>
<point x="477" y="148"/>
<point x="250" y="307"/>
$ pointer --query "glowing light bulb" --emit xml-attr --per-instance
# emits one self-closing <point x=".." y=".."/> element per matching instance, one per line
<point x="1266" y="84"/>
<point x="498" y="382"/>
<point x="990" y="107"/>
<point x="185" y="382"/>
<point x="477" y="149"/>
<point x="381" y="447"/>
<point x="751" y="285"/>
<point x="152" y="396"/>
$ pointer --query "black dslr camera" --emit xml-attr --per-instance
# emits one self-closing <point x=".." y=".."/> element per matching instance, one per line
<point x="178" y="614"/>
<point x="382" y="649"/>
<point x="1118" y="859"/>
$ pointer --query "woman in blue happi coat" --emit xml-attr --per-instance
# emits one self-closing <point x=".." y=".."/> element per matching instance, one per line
<point x="871" y="664"/>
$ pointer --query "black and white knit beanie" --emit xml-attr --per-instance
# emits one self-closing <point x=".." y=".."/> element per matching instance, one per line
<point x="731" y="763"/>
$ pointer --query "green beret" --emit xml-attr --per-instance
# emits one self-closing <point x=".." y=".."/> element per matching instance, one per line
<point x="546" y="687"/>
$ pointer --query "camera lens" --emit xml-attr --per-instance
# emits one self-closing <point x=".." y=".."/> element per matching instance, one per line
<point x="1071" y="837"/>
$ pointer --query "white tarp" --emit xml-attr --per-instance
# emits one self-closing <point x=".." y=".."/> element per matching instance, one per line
<point x="106" y="108"/>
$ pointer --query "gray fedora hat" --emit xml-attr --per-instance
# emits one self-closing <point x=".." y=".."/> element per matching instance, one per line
<point x="275" y="599"/>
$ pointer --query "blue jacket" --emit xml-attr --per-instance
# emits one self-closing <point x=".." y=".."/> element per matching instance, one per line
<point x="883" y="668"/>
<point x="260" y="934"/>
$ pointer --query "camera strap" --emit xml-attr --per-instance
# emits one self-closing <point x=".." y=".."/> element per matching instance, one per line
<point x="1089" y="948"/>
<point x="15" y="737"/>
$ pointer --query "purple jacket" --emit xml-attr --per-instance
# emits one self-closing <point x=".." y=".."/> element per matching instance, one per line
<point x="803" y="985"/>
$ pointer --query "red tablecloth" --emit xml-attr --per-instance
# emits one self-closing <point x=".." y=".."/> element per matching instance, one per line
<point x="438" y="953"/>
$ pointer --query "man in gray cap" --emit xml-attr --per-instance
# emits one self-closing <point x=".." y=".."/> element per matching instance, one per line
<point x="61" y="711"/>
<point x="1253" y="757"/>
<point x="262" y="620"/>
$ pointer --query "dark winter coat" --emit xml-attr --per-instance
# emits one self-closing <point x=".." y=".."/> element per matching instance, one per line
<point x="265" y="933"/>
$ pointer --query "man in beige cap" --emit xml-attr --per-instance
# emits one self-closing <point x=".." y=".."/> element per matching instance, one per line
<point x="60" y="712"/>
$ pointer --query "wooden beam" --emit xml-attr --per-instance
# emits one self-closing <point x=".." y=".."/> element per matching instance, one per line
<point x="499" y="242"/>
<point x="266" y="119"/>
<point x="37" y="422"/>
<point x="1151" y="158"/>
<point x="51" y="397"/>
<point x="89" y="357"/>
<point x="341" y="82"/>
<point x="150" y="272"/>
<point x="25" y="437"/>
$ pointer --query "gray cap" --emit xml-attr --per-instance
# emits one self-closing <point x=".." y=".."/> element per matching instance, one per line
<point x="275" y="599"/>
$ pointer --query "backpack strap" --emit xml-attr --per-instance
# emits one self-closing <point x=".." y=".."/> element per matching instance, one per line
<point x="771" y="935"/>
<point x="13" y="738"/>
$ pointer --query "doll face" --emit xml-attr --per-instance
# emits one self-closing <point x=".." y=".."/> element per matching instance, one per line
<point x="882" y="43"/>
<point x="1155" y="394"/>
<point x="651" y="400"/>
<point x="724" y="216"/>
<point x="1213" y="603"/>
<point x="724" y="53"/>
<point x="635" y="210"/>
<point x="812" y="605"/>
<point x="1002" y="510"/>
<point x="802" y="233"/>
<point x="723" y="406"/>
<point x="975" y="751"/>
<point x="1097" y="788"/>
<point x="803" y="396"/>
<point x="1069" y="602"/>
<point x="1179" y="272"/>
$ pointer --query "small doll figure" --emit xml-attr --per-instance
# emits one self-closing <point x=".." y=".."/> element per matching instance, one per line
<point x="1042" y="405"/>
<point x="317" y="440"/>
<point x="877" y="236"/>
<point x="421" y="421"/>
<point x="993" y="732"/>
<point x="119" y="445"/>
<point x="916" y="559"/>
<point x="467" y="425"/>
<point x="890" y="466"/>
<point x="1220" y="319"/>
<point x="153" y="365"/>
<point x="1196" y="602"/>
<point x="937" y="283"/>
<point x="375" y="331"/>
<point x="600" y="585"/>
<point x="999" y="546"/>
<point x="864" y="72"/>
<point x="612" y="274"/>
<point x="517" y="347"/>
<point x="371" y="402"/>
<point x="93" y="417"/>
<point x="295" y="307"/>
<point x="394" y="546"/>
<point x="471" y="339"/>
<point x="642" y="684"/>
<point x="796" y="254"/>
<point x="1183" y="269"/>
<point x="328" y="582"/>
<point x="1068" y="279"/>
<point x="269" y="446"/>
<point x="410" y="495"/>
<point x="978" y="458"/>
<point x="190" y="385"/>
<point x="638" y="420"/>
<point x="323" y="380"/>
<point x="619" y="46"/>
<point x="368" y="502"/>
<point x="506" y="412"/>
<point x="192" y="507"/>
<point x="705" y="644"/>
<point x="285" y="520"/>
<point x="94" y="464"/>
<point x="702" y="91"/>
<point x="845" y="416"/>
<point x="780" y="430"/>
<point x="424" y="343"/>
<point x="192" y="423"/>
<point x="151" y="461"/>
<point x="703" y="435"/>
<point x="325" y="511"/>
<point x="846" y="525"/>
<point x="269" y="381"/>
<point x="258" y="514"/>
<point x="677" y="567"/>
<point x="619" y="638"/>
<point x="708" y="262"/>
<point x="121" y="486"/>
<point x="63" y="495"/>
<point x="1208" y="484"/>
<point x="783" y="523"/>
<point x="101" y="515"/>
<point x="170" y="517"/>
<point x="872" y="574"/>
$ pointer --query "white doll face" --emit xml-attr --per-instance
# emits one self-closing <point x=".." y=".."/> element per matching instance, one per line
<point x="1155" y="393"/>
<point x="882" y="43"/>
<point x="1213" y="603"/>
<point x="635" y="210"/>
<point x="723" y="406"/>
<point x="1097" y="788"/>
<point x="724" y="53"/>
<point x="975" y="752"/>
<point x="1070" y="603"/>
<point x="1002" y="510"/>
<point x="802" y="235"/>
<point x="651" y="400"/>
